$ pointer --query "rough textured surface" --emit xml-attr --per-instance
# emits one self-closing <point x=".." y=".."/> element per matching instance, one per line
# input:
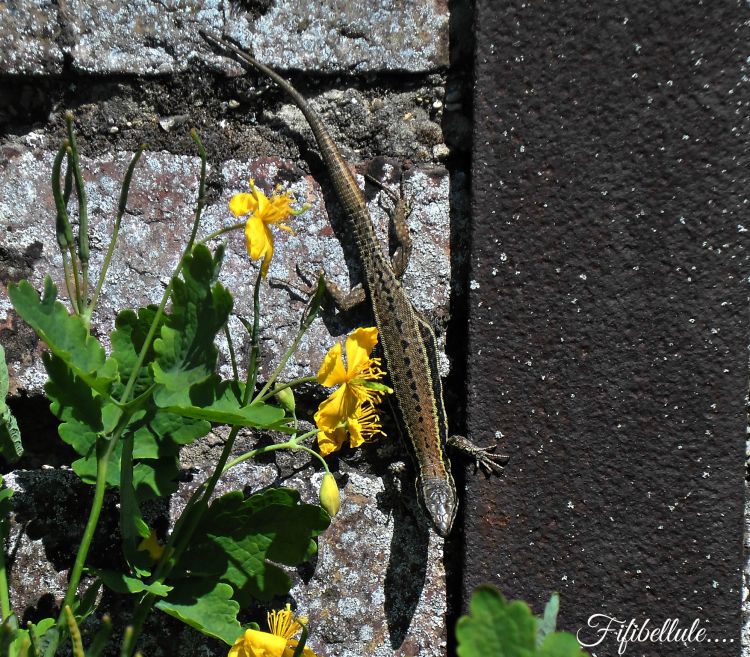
<point x="376" y="592"/>
<point x="30" y="37"/>
<point x="156" y="38"/>
<point x="138" y="73"/>
<point x="609" y="313"/>
<point x="157" y="226"/>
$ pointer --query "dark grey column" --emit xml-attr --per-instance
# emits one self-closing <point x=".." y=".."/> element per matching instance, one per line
<point x="608" y="322"/>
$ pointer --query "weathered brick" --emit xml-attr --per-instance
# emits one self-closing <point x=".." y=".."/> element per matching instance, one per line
<point x="29" y="30"/>
<point x="157" y="226"/>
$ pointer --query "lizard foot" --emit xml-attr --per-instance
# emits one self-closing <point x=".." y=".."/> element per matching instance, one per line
<point x="304" y="291"/>
<point x="484" y="458"/>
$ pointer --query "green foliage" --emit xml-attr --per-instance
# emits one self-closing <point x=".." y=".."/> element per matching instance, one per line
<point x="186" y="353"/>
<point x="508" y="629"/>
<point x="205" y="605"/>
<point x="66" y="335"/>
<point x="220" y="402"/>
<point x="11" y="447"/>
<point x="127" y="415"/>
<point x="120" y="583"/>
<point x="15" y="642"/>
<point x="239" y="542"/>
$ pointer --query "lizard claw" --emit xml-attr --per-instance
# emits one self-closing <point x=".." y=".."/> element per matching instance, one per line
<point x="484" y="457"/>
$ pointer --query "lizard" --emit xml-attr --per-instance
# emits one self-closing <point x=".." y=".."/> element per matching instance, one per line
<point x="408" y="339"/>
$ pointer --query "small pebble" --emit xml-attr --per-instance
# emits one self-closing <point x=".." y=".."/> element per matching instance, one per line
<point x="233" y="104"/>
<point x="440" y="151"/>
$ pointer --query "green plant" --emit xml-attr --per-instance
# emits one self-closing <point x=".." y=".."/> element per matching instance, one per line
<point x="497" y="627"/>
<point x="127" y="413"/>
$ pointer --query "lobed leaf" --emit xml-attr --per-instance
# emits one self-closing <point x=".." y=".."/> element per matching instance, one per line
<point x="186" y="353"/>
<point x="219" y="402"/>
<point x="239" y="538"/>
<point x="128" y="338"/>
<point x="120" y="583"/>
<point x="206" y="606"/>
<point x="66" y="335"/>
<point x="87" y="417"/>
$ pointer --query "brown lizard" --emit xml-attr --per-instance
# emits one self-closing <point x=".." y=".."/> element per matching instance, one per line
<point x="407" y="338"/>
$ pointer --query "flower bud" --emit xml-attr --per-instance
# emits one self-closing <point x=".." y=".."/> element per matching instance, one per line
<point x="285" y="397"/>
<point x="330" y="499"/>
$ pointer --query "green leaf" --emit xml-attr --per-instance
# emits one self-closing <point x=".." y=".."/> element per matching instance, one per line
<point x="120" y="583"/>
<point x="206" y="606"/>
<point x="507" y="629"/>
<point x="186" y="353"/>
<point x="560" y="644"/>
<point x="11" y="447"/>
<point x="86" y="417"/>
<point x="238" y="539"/>
<point x="128" y="339"/>
<point x="84" y="607"/>
<point x="66" y="335"/>
<point x="38" y="636"/>
<point x="220" y="402"/>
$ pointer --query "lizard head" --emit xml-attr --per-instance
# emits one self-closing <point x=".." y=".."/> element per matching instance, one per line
<point x="440" y="502"/>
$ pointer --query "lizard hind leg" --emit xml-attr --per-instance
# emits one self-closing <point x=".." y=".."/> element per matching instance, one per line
<point x="343" y="300"/>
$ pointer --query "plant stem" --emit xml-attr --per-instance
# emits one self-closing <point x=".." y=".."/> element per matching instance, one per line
<point x="288" y="384"/>
<point x="292" y="444"/>
<point x="280" y="367"/>
<point x="181" y="537"/>
<point x="168" y="291"/>
<point x="121" y="207"/>
<point x="232" y="356"/>
<point x="4" y="597"/>
<point x="252" y="365"/>
<point x="221" y="231"/>
<point x="102" y="465"/>
<point x="83" y="214"/>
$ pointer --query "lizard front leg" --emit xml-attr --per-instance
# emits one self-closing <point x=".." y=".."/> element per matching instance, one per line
<point x="483" y="457"/>
<point x="398" y="216"/>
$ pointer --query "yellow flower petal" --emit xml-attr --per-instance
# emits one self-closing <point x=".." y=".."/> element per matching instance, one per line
<point x="258" y="238"/>
<point x="359" y="346"/>
<point x="364" y="425"/>
<point x="254" y="643"/>
<point x="332" y="371"/>
<point x="152" y="546"/>
<point x="331" y="441"/>
<point x="336" y="408"/>
<point x="242" y="204"/>
<point x="264" y="212"/>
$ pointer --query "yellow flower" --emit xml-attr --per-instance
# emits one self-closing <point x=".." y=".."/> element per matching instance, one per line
<point x="263" y="212"/>
<point x="362" y="426"/>
<point x="351" y="407"/>
<point x="152" y="546"/>
<point x="276" y="643"/>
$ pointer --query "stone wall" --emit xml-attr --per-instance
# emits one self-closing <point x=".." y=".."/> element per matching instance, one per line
<point x="138" y="72"/>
